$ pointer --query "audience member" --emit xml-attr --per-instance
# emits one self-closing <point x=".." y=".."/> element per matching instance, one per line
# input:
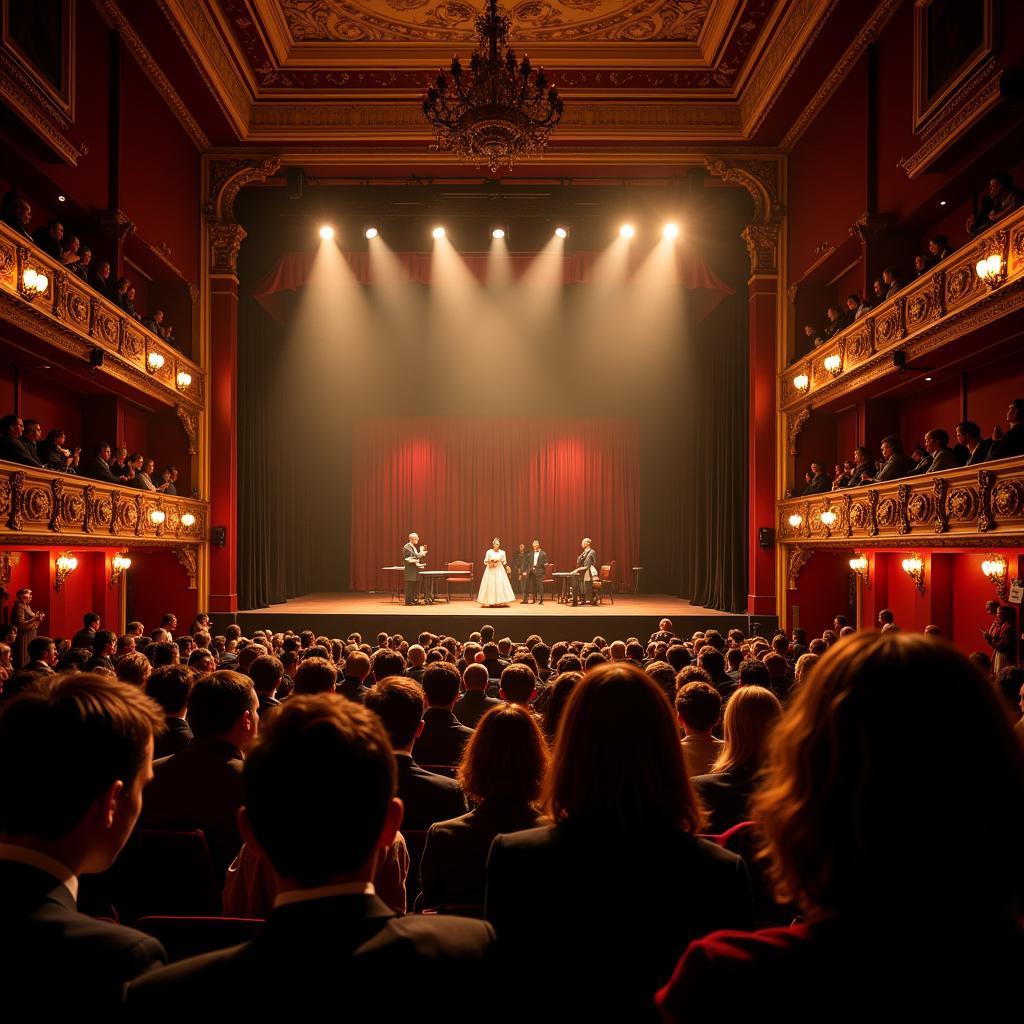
<point x="699" y="707"/>
<point x="936" y="444"/>
<point x="170" y="687"/>
<point x="895" y="463"/>
<point x="16" y="212"/>
<point x="50" y="239"/>
<point x="1011" y="443"/>
<point x="12" y="445"/>
<point x="474" y="703"/>
<point x="518" y="685"/>
<point x="939" y="247"/>
<point x="442" y="738"/>
<point x="315" y="675"/>
<point x="134" y="668"/>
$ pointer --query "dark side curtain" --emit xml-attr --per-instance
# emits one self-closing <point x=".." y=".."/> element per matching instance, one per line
<point x="713" y="483"/>
<point x="275" y="539"/>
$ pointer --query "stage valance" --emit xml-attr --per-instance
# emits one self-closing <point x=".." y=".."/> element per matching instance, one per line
<point x="275" y="291"/>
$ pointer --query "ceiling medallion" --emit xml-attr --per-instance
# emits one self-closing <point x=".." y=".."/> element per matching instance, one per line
<point x="500" y="110"/>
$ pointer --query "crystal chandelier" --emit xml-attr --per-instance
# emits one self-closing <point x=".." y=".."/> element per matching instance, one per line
<point x="498" y="111"/>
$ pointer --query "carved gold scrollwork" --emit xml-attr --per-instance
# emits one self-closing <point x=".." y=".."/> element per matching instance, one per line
<point x="227" y="177"/>
<point x="56" y="504"/>
<point x="939" y="488"/>
<point x="847" y="519"/>
<point x="15" y="518"/>
<point x="139" y="521"/>
<point x="188" y="558"/>
<point x="115" y="509"/>
<point x="986" y="520"/>
<point x="902" y="501"/>
<point x="190" y="423"/>
<point x="798" y="558"/>
<point x="796" y="424"/>
<point x="87" y="500"/>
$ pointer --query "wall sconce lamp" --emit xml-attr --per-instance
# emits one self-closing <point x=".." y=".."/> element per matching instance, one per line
<point x="795" y="520"/>
<point x="65" y="564"/>
<point x="994" y="568"/>
<point x="154" y="362"/>
<point x="833" y="363"/>
<point x="33" y="283"/>
<point x="859" y="565"/>
<point x="991" y="270"/>
<point x="188" y="520"/>
<point x="828" y="520"/>
<point x="801" y="382"/>
<point x="157" y="516"/>
<point x="183" y="380"/>
<point x="914" y="568"/>
<point x="119" y="565"/>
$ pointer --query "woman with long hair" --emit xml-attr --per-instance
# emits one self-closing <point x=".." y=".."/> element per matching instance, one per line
<point x="891" y="811"/>
<point x="750" y="716"/>
<point x="620" y="882"/>
<point x="502" y="770"/>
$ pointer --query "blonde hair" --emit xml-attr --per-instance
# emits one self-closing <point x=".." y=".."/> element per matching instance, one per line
<point x="750" y="716"/>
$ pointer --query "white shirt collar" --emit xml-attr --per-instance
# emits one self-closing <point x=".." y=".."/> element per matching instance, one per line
<point x="324" y="892"/>
<point x="35" y="859"/>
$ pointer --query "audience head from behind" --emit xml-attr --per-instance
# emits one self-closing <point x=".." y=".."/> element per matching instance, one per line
<point x="698" y="707"/>
<point x="441" y="682"/>
<point x="518" y="684"/>
<point x="386" y="662"/>
<point x="133" y="668"/>
<point x="164" y="652"/>
<point x="506" y="758"/>
<point x="755" y="673"/>
<point x="266" y="673"/>
<point x="315" y="675"/>
<point x="357" y="665"/>
<point x="398" y="702"/>
<point x="170" y="687"/>
<point x="474" y="678"/>
<point x="223" y="706"/>
<point x="202" y="662"/>
<point x="75" y="753"/>
<point x="848" y="800"/>
<point x="291" y="775"/>
<point x="617" y="764"/>
<point x="751" y="714"/>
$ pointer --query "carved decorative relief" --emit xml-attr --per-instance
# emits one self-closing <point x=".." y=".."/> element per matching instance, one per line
<point x="919" y="509"/>
<point x="796" y="424"/>
<point x="1008" y="499"/>
<point x="8" y="262"/>
<point x="760" y="178"/>
<point x="105" y="326"/>
<point x="925" y="303"/>
<point x="986" y="481"/>
<point x="190" y="423"/>
<point x="902" y="503"/>
<point x="940" y="487"/>
<point x="15" y="517"/>
<point x="56" y="504"/>
<point x="889" y="326"/>
<point x="799" y="556"/>
<point x="860" y="343"/>
<point x="188" y="558"/>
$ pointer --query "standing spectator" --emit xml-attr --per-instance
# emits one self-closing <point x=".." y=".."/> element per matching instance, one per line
<point x="69" y="255"/>
<point x="83" y="268"/>
<point x="84" y="637"/>
<point x="26" y="622"/>
<point x="1001" y="636"/>
<point x="102" y="281"/>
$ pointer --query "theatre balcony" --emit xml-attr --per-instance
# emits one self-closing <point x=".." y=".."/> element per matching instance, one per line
<point x="41" y="507"/>
<point x="48" y="311"/>
<point x="947" y="315"/>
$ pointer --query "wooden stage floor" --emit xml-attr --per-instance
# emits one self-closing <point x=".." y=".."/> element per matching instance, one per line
<point x="630" y="615"/>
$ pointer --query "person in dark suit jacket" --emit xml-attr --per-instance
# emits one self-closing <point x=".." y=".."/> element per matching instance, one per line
<point x="50" y="239"/>
<point x="83" y="639"/>
<point x="417" y="658"/>
<point x="353" y="683"/>
<point x="474" y="703"/>
<point x="583" y="581"/>
<point x="413" y="559"/>
<point x="12" y="446"/>
<point x="104" y="643"/>
<point x="42" y="655"/>
<point x="620" y="797"/>
<point x="267" y="674"/>
<point x="896" y="463"/>
<point x="97" y="465"/>
<point x="16" y="212"/>
<point x="320" y="804"/>
<point x="1012" y="442"/>
<point x="536" y="566"/>
<point x="427" y="797"/>
<point x="936" y="443"/>
<point x="820" y="481"/>
<point x="443" y="737"/>
<point x="102" y="280"/>
<point x="170" y="687"/>
<point x="201" y="786"/>
<point x="502" y="771"/>
<point x="58" y="822"/>
<point x="968" y="437"/>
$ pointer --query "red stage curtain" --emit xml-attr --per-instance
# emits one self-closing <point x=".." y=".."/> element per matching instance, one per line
<point x="275" y="291"/>
<point x="459" y="482"/>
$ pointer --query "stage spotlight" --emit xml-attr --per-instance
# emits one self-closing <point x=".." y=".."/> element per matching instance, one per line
<point x="626" y="231"/>
<point x="326" y="232"/>
<point x="497" y="233"/>
<point x="438" y="232"/>
<point x="370" y="232"/>
<point x="670" y="231"/>
<point x="561" y="232"/>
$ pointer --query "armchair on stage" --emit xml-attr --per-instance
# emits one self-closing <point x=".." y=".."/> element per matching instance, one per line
<point x="468" y="581"/>
<point x="606" y="582"/>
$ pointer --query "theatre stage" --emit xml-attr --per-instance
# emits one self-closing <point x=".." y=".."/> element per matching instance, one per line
<point x="337" y="615"/>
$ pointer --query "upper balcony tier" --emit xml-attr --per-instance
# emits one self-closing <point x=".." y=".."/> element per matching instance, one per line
<point x="73" y="318"/>
<point x="941" y="310"/>
<point x="38" y="506"/>
<point x="982" y="504"/>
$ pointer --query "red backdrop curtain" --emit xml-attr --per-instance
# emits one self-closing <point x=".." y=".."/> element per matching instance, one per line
<point x="458" y="482"/>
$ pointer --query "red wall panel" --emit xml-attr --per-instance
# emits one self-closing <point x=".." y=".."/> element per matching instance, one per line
<point x="156" y="585"/>
<point x="823" y="591"/>
<point x="847" y="433"/>
<point x="134" y="432"/>
<point x="936" y="405"/>
<point x="55" y="406"/>
<point x="990" y="390"/>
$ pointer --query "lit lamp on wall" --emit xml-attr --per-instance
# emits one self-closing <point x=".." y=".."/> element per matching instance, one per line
<point x="991" y="270"/>
<point x="119" y="565"/>
<point x="994" y="568"/>
<point x="33" y="283"/>
<point x="859" y="565"/>
<point x="828" y="519"/>
<point x="914" y="568"/>
<point x="833" y="363"/>
<point x="65" y="564"/>
<point x="183" y="380"/>
<point x="796" y="520"/>
<point x="157" y="516"/>
<point x="154" y="362"/>
<point x="801" y="382"/>
<point x="188" y="520"/>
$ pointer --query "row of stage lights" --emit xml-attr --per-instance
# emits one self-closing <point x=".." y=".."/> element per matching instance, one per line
<point x="670" y="232"/>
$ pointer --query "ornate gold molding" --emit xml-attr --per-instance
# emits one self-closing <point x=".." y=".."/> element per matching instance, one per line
<point x="190" y="423"/>
<point x="226" y="177"/>
<point x="795" y="423"/>
<point x="761" y="179"/>
<point x="188" y="559"/>
<point x="799" y="556"/>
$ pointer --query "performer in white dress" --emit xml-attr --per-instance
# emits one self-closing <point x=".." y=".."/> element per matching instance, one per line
<point x="495" y="589"/>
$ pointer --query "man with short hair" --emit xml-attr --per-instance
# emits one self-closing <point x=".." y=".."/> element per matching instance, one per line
<point x="886" y="617"/>
<point x="164" y="652"/>
<point x="443" y="737"/>
<point x="75" y="754"/>
<point x="135" y="629"/>
<point x="104" y="644"/>
<point x="266" y="673"/>
<point x="936" y="444"/>
<point x="386" y="662"/>
<point x="518" y="685"/>
<point x="754" y="673"/>
<point x="327" y="932"/>
<point x="315" y="675"/>
<point x="427" y="797"/>
<point x="82" y="640"/>
<point x="474" y="703"/>
<point x="202" y="662"/>
<point x="417" y="660"/>
<point x="493" y="662"/>
<point x="201" y="786"/>
<point x="968" y="435"/>
<point x="11" y="447"/>
<point x="698" y="708"/>
<point x="42" y="655"/>
<point x="1012" y="441"/>
<point x="169" y="687"/>
<point x="353" y="682"/>
<point x="713" y="662"/>
<point x="97" y="465"/>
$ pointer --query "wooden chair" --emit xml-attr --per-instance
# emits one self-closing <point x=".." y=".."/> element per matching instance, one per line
<point x="605" y="583"/>
<point x="466" y="581"/>
<point x="549" y="577"/>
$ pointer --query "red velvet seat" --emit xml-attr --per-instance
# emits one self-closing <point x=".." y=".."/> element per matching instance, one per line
<point x="464" y="581"/>
<point x="189" y="936"/>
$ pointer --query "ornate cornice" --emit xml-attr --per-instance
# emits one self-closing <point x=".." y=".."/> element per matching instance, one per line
<point x="111" y="11"/>
<point x="226" y="177"/>
<point x="188" y="559"/>
<point x="795" y="424"/>
<point x="761" y="179"/>
<point x="867" y="35"/>
<point x="798" y="557"/>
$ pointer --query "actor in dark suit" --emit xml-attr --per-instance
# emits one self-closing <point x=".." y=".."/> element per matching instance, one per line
<point x="61" y="822"/>
<point x="328" y="939"/>
<point x="536" y="566"/>
<point x="413" y="559"/>
<point x="583" y="581"/>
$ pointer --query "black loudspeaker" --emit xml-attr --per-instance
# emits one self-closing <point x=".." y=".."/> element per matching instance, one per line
<point x="219" y="536"/>
<point x="765" y="538"/>
<point x="296" y="179"/>
<point x="96" y="358"/>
